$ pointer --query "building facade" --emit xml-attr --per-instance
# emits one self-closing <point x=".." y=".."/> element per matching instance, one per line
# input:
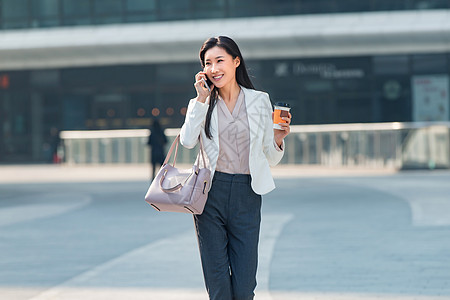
<point x="116" y="64"/>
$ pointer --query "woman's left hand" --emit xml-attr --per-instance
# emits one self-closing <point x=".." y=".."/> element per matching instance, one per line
<point x="280" y="134"/>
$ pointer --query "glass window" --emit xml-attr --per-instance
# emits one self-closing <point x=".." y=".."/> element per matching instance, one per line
<point x="15" y="127"/>
<point x="15" y="14"/>
<point x="77" y="21"/>
<point x="352" y="5"/>
<point x="387" y="5"/>
<point x="175" y="9"/>
<point x="108" y="11"/>
<point x="282" y="7"/>
<point x="76" y="12"/>
<point x="15" y="9"/>
<point x="428" y="4"/>
<point x="76" y="8"/>
<point x="430" y="64"/>
<point x="255" y="70"/>
<point x="317" y="85"/>
<point x="47" y="22"/>
<point x="111" y="76"/>
<point x="174" y="72"/>
<point x="108" y="19"/>
<point x="175" y="98"/>
<point x="140" y="10"/>
<point x="238" y="8"/>
<point x="15" y="80"/>
<point x="209" y="9"/>
<point x="15" y="24"/>
<point x="107" y="7"/>
<point x="141" y="105"/>
<point x="448" y="65"/>
<point x="353" y="110"/>
<point x="140" y="17"/>
<point x="321" y="6"/>
<point x="45" y="13"/>
<point x="75" y="110"/>
<point x="140" y="5"/>
<point x="395" y="64"/>
<point x="44" y="78"/>
<point x="45" y="8"/>
<point x="393" y="97"/>
<point x="318" y="109"/>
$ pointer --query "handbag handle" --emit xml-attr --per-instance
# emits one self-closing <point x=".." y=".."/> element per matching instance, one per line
<point x="175" y="144"/>
<point x="202" y="150"/>
<point x="169" y="190"/>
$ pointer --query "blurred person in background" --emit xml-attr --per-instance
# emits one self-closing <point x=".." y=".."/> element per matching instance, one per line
<point x="157" y="141"/>
<point x="55" y="143"/>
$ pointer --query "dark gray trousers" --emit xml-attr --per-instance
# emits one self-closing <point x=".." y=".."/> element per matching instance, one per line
<point x="228" y="235"/>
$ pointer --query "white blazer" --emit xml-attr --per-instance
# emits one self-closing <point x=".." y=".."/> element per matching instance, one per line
<point x="262" y="147"/>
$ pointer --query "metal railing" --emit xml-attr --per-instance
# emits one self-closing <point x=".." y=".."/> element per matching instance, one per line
<point x="371" y="145"/>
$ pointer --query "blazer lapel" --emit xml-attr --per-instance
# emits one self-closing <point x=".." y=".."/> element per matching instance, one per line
<point x="252" y="112"/>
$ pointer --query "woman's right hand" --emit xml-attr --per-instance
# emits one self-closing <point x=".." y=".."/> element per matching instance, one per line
<point x="200" y="87"/>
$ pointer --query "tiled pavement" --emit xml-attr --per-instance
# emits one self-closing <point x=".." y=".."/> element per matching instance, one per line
<point x="86" y="233"/>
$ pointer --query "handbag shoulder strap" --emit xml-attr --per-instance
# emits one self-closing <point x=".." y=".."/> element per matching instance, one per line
<point x="202" y="151"/>
<point x="175" y="144"/>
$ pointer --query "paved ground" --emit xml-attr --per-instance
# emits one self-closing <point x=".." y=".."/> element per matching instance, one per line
<point x="84" y="233"/>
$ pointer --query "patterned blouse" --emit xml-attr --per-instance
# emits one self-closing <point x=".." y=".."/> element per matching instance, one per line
<point x="234" y="137"/>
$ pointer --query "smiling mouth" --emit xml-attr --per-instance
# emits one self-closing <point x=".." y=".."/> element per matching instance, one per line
<point x="217" y="77"/>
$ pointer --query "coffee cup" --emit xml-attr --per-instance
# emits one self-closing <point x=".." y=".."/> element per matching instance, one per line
<point x="281" y="110"/>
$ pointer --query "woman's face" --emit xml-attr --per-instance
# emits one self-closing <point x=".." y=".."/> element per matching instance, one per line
<point x="220" y="67"/>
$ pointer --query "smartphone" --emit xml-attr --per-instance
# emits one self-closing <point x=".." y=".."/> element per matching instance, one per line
<point x="207" y="83"/>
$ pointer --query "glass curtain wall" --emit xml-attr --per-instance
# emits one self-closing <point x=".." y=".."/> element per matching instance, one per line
<point x="388" y="88"/>
<point x="17" y="14"/>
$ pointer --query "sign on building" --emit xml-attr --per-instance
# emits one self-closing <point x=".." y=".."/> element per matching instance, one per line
<point x="431" y="98"/>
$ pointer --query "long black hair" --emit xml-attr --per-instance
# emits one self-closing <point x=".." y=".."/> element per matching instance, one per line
<point x="242" y="77"/>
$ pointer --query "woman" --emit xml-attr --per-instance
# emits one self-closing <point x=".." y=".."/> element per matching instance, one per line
<point x="235" y="124"/>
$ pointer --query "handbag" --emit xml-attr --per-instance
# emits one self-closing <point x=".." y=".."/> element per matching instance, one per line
<point x="177" y="190"/>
